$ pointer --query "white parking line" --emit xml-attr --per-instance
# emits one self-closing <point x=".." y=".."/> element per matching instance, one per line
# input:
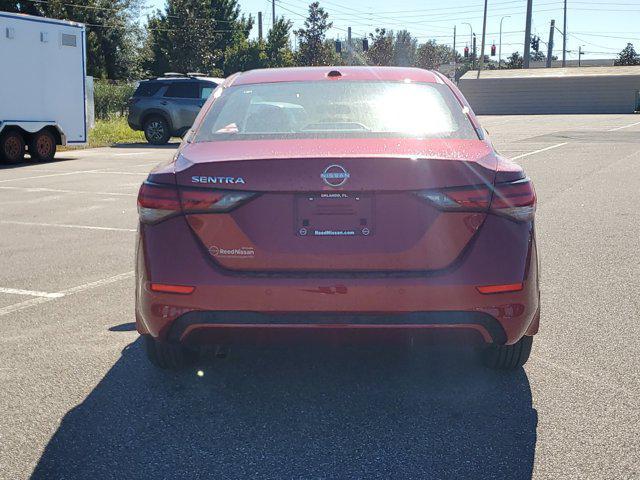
<point x="132" y="153"/>
<point x="539" y="151"/>
<point x="70" y="291"/>
<point x="102" y="171"/>
<point x="46" y="176"/>
<point x="146" y="164"/>
<point x="31" y="293"/>
<point x="624" y="126"/>
<point x="86" y="227"/>
<point x="119" y="172"/>
<point x="58" y="190"/>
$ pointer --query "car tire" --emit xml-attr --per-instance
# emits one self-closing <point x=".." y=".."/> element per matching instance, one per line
<point x="168" y="355"/>
<point x="12" y="146"/>
<point x="156" y="131"/>
<point x="42" y="146"/>
<point x="508" y="357"/>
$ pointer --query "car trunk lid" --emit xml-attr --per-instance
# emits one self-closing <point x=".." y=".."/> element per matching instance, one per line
<point x="346" y="205"/>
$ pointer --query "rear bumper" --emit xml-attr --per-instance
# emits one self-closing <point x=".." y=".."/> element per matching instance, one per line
<point x="234" y="327"/>
<point x="134" y="123"/>
<point x="231" y="307"/>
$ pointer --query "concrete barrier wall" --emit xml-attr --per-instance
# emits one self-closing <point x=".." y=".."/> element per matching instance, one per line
<point x="513" y="96"/>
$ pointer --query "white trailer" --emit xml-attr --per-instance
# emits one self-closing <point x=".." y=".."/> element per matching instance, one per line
<point x="42" y="86"/>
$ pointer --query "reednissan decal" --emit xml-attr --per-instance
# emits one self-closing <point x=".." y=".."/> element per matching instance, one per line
<point x="226" y="180"/>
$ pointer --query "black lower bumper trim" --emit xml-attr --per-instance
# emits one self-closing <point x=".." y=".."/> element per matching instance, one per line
<point x="486" y="321"/>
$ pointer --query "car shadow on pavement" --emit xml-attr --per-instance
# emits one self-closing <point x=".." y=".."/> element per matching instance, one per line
<point x="300" y="413"/>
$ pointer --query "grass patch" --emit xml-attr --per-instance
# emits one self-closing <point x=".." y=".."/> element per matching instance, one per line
<point x="113" y="130"/>
<point x="108" y="132"/>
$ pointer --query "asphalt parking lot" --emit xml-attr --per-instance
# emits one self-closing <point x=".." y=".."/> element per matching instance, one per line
<point x="79" y="400"/>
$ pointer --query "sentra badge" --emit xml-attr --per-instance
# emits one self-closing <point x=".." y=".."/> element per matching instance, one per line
<point x="199" y="179"/>
<point x="335" y="175"/>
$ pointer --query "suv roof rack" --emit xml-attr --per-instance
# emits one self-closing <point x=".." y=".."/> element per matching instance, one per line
<point x="173" y="74"/>
<point x="195" y="74"/>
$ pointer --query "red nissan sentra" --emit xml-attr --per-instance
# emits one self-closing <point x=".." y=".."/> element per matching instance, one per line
<point x="337" y="204"/>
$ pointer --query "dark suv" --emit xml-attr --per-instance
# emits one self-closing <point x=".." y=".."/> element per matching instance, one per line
<point x="166" y="107"/>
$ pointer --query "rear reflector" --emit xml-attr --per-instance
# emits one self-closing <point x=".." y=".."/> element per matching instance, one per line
<point x="515" y="200"/>
<point x="165" y="288"/>
<point x="157" y="202"/>
<point x="511" y="287"/>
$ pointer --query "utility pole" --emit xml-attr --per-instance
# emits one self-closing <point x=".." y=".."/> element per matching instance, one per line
<point x="260" y="26"/>
<point x="273" y="13"/>
<point x="454" y="53"/>
<point x="484" y="29"/>
<point x="580" y="53"/>
<point x="348" y="39"/>
<point x="564" y="37"/>
<point x="550" y="46"/>
<point x="500" y="48"/>
<point x="527" y="36"/>
<point x="475" y="54"/>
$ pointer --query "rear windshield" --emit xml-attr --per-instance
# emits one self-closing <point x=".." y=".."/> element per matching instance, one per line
<point x="331" y="109"/>
<point x="147" y="89"/>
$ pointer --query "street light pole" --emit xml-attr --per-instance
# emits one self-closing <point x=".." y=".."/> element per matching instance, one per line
<point x="500" y="48"/>
<point x="527" y="36"/>
<point x="470" y="33"/>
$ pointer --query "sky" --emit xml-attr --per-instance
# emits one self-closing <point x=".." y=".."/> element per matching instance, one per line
<point x="601" y="28"/>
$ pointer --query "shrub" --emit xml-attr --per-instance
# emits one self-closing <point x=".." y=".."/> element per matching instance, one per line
<point x="110" y="99"/>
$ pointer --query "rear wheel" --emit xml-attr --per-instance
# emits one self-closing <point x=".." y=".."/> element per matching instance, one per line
<point x="156" y="131"/>
<point x="168" y="355"/>
<point x="42" y="146"/>
<point x="508" y="357"/>
<point x="12" y="146"/>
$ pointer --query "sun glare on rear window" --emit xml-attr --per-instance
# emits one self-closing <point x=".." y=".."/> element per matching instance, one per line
<point x="335" y="109"/>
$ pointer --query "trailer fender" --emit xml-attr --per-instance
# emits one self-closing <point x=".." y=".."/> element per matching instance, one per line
<point x="33" y="127"/>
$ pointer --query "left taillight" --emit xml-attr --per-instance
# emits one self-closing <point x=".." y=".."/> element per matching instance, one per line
<point x="514" y="200"/>
<point x="158" y="202"/>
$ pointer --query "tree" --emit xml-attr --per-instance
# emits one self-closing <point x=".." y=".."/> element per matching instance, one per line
<point x="628" y="56"/>
<point x="313" y="47"/>
<point x="381" y="48"/>
<point x="431" y="56"/>
<point x="14" y="6"/>
<point x="245" y="55"/>
<point x="278" y="46"/>
<point x="515" y="61"/>
<point x="194" y="35"/>
<point x="113" y="34"/>
<point x="404" y="49"/>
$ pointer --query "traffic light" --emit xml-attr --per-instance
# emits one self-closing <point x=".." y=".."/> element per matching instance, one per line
<point x="466" y="52"/>
<point x="535" y="43"/>
<point x="493" y="50"/>
<point x="338" y="46"/>
<point x="365" y="45"/>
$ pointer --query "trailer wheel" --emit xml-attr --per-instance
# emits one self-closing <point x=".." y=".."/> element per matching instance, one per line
<point x="12" y="146"/>
<point x="42" y="146"/>
<point x="156" y="131"/>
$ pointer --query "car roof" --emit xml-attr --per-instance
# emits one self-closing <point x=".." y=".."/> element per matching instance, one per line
<point x="310" y="74"/>
<point x="215" y="80"/>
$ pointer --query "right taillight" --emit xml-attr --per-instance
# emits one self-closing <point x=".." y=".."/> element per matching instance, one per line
<point x="514" y="200"/>
<point x="158" y="202"/>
